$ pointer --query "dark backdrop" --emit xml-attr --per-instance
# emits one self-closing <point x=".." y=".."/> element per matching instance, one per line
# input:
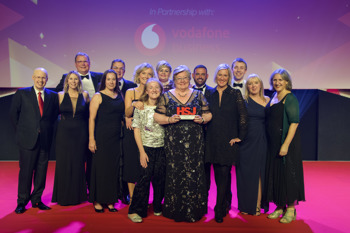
<point x="324" y="126"/>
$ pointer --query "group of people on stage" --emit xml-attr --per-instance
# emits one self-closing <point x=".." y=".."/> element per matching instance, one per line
<point x="114" y="137"/>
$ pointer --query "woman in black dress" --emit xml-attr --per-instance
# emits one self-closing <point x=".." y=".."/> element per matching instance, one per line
<point x="131" y="167"/>
<point x="284" y="168"/>
<point x="71" y="143"/>
<point x="183" y="111"/>
<point x="250" y="171"/>
<point x="106" y="114"/>
<point x="227" y="128"/>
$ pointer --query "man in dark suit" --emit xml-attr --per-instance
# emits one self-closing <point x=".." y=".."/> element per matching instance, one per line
<point x="33" y="113"/>
<point x="239" y="68"/>
<point x="200" y="76"/>
<point x="90" y="80"/>
<point x="118" y="65"/>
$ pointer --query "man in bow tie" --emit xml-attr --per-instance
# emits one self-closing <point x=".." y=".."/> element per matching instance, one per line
<point x="89" y="79"/>
<point x="200" y="76"/>
<point x="33" y="112"/>
<point x="239" y="68"/>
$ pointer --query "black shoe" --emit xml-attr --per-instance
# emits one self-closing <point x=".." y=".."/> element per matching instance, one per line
<point x="112" y="209"/>
<point x="219" y="219"/>
<point x="20" y="209"/>
<point x="41" y="206"/>
<point x="99" y="211"/>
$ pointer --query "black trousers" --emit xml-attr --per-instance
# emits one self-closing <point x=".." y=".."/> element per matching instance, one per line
<point x="155" y="172"/>
<point x="33" y="167"/>
<point x="223" y="183"/>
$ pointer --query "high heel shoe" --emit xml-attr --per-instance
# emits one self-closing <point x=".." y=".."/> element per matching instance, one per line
<point x="112" y="209"/>
<point x="99" y="210"/>
<point x="289" y="215"/>
<point x="275" y="214"/>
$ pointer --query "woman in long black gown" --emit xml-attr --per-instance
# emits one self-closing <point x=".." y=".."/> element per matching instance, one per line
<point x="227" y="128"/>
<point x="106" y="113"/>
<point x="250" y="171"/>
<point x="71" y="143"/>
<point x="284" y="168"/>
<point x="183" y="111"/>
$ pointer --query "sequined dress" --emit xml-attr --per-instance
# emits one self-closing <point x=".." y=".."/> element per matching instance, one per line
<point x="185" y="187"/>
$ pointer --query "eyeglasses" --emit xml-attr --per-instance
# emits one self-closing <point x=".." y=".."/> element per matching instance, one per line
<point x="182" y="79"/>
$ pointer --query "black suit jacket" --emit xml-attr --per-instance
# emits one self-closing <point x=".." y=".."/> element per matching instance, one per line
<point x="208" y="92"/>
<point x="28" y="123"/>
<point x="95" y="76"/>
<point x="127" y="85"/>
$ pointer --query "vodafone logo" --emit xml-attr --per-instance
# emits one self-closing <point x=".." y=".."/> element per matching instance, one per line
<point x="150" y="39"/>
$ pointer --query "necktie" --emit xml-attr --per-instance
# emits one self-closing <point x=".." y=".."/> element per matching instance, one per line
<point x="41" y="103"/>
<point x="85" y="76"/>
<point x="238" y="85"/>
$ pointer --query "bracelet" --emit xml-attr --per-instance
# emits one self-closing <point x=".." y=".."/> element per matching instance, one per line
<point x="169" y="120"/>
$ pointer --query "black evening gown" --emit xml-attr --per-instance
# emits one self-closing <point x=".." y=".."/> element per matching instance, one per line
<point x="71" y="149"/>
<point x="131" y="156"/>
<point x="284" y="175"/>
<point x="185" y="187"/>
<point x="105" y="162"/>
<point x="252" y="159"/>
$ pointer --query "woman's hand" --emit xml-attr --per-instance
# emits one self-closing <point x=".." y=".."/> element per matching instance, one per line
<point x="234" y="141"/>
<point x="284" y="150"/>
<point x="92" y="146"/>
<point x="138" y="105"/>
<point x="143" y="159"/>
<point x="198" y="119"/>
<point x="128" y="122"/>
<point x="174" y="119"/>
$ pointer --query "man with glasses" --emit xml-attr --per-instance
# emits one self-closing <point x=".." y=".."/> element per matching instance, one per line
<point x="89" y="79"/>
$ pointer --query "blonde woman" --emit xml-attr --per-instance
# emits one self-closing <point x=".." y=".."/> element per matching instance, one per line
<point x="131" y="161"/>
<point x="250" y="171"/>
<point x="71" y="143"/>
<point x="163" y="69"/>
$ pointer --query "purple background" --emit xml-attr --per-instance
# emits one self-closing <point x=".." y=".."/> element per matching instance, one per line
<point x="311" y="39"/>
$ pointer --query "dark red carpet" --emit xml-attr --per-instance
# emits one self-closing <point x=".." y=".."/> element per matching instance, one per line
<point x="326" y="209"/>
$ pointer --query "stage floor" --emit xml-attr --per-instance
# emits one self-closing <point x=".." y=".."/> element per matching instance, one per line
<point x="327" y="190"/>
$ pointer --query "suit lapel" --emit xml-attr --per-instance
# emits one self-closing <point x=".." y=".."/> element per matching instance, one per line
<point x="94" y="80"/>
<point x="47" y="100"/>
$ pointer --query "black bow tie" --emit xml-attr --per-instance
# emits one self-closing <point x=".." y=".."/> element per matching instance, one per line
<point x="199" y="88"/>
<point x="238" y="85"/>
<point x="85" y="76"/>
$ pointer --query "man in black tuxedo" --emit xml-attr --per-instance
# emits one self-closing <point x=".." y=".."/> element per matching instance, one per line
<point x="118" y="66"/>
<point x="90" y="80"/>
<point x="239" y="69"/>
<point x="33" y="113"/>
<point x="200" y="76"/>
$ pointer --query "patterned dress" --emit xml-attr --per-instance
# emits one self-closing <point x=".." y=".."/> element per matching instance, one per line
<point x="185" y="187"/>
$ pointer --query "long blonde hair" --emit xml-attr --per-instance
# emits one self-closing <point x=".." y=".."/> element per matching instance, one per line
<point x="250" y="78"/>
<point x="66" y="86"/>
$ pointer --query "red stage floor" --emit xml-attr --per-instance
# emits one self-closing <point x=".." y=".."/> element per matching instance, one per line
<point x="326" y="209"/>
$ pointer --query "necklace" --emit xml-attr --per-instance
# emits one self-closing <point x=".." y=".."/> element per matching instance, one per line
<point x="181" y="95"/>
